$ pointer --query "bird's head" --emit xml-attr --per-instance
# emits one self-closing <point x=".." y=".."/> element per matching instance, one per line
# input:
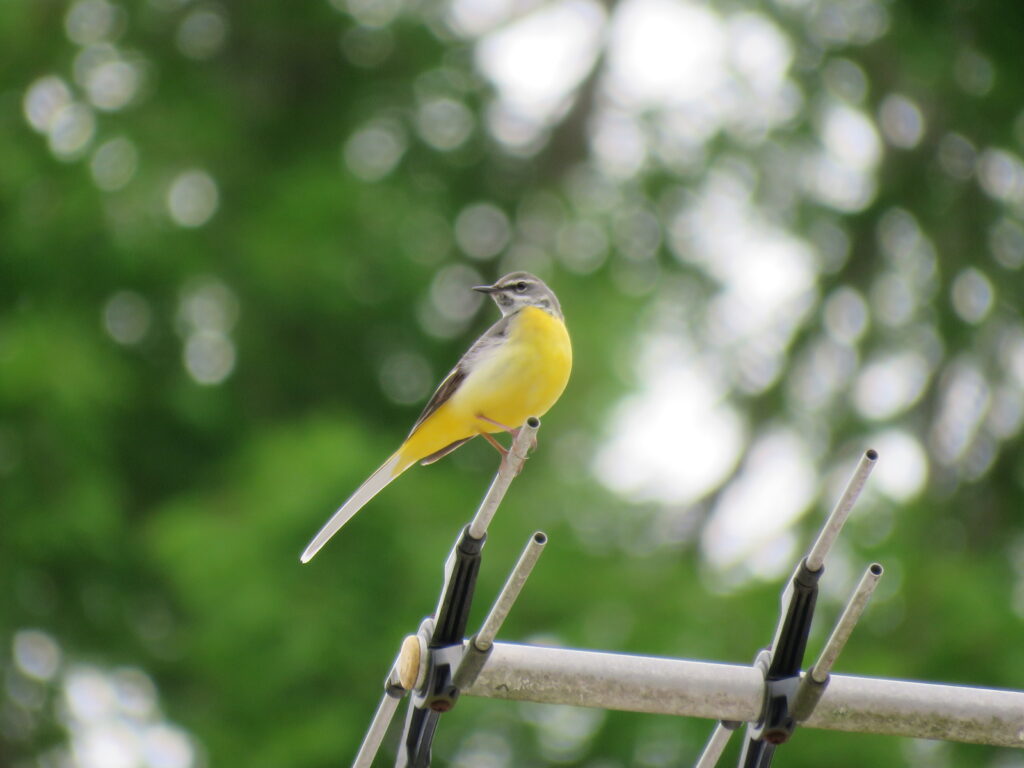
<point x="521" y="289"/>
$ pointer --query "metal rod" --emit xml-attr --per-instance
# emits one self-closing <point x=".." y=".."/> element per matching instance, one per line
<point x="375" y="734"/>
<point x="834" y="523"/>
<point x="715" y="746"/>
<point x="509" y="593"/>
<point x="619" y="681"/>
<point x="509" y="468"/>
<point x="851" y="615"/>
<point x="732" y="692"/>
<point x="921" y="710"/>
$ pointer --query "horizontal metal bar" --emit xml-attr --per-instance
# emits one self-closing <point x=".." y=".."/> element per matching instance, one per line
<point x="921" y="710"/>
<point x="620" y="681"/>
<point x="732" y="692"/>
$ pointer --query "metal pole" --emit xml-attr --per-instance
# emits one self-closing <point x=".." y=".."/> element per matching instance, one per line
<point x="834" y="524"/>
<point x="375" y="735"/>
<point x="851" y="615"/>
<point x="509" y="593"/>
<point x="732" y="692"/>
<point x="507" y="471"/>
<point x="620" y="681"/>
<point x="715" y="746"/>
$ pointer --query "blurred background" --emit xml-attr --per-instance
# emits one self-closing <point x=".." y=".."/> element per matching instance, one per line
<point x="236" y="241"/>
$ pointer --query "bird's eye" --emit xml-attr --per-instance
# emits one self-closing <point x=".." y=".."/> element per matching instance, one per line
<point x="520" y="287"/>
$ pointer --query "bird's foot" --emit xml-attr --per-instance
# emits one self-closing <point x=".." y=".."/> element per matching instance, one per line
<point x="514" y="431"/>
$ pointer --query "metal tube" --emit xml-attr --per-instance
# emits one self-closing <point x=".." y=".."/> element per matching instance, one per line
<point x="509" y="593"/>
<point x="715" y="746"/>
<point x="834" y="523"/>
<point x="507" y="471"/>
<point x="851" y="615"/>
<point x="731" y="692"/>
<point x="620" y="681"/>
<point x="375" y="734"/>
<point x="921" y="711"/>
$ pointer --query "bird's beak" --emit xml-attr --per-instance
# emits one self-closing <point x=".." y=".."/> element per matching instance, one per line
<point x="485" y="288"/>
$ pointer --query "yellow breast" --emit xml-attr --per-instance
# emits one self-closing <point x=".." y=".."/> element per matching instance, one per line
<point x="525" y="376"/>
<point x="522" y="377"/>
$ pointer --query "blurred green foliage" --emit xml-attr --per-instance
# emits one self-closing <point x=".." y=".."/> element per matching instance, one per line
<point x="188" y="388"/>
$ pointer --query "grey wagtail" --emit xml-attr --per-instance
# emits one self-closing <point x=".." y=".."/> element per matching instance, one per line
<point x="517" y="369"/>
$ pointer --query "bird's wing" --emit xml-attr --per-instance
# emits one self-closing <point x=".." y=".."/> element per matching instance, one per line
<point x="491" y="338"/>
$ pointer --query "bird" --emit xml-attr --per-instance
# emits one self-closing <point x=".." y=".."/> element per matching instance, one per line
<point x="518" y="368"/>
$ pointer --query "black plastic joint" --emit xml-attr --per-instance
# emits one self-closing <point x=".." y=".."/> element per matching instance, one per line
<point x="777" y="721"/>
<point x="440" y="692"/>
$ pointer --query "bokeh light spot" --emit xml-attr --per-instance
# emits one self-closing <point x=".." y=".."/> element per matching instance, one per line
<point x="44" y="99"/>
<point x="563" y="732"/>
<point x="367" y="47"/>
<point x="963" y="401"/>
<point x="483" y="749"/>
<point x="903" y="470"/>
<point x="372" y="152"/>
<point x="972" y="295"/>
<point x="536" y="60"/>
<point x="192" y="198"/>
<point x="112" y="85"/>
<point x="893" y="299"/>
<point x="209" y="357"/>
<point x="452" y="294"/>
<point x="1001" y="175"/>
<point x="773" y="489"/>
<point x="88" y="694"/>
<point x="405" y="377"/>
<point x="36" y="654"/>
<point x="167" y="746"/>
<point x="202" y="33"/>
<point x="890" y="384"/>
<point x="846" y="315"/>
<point x="846" y="80"/>
<point x="974" y="72"/>
<point x="207" y="304"/>
<point x="582" y="246"/>
<point x="90" y="21"/>
<point x="126" y="317"/>
<point x="901" y="120"/>
<point x="665" y="52"/>
<point x="957" y="156"/>
<point x="444" y="124"/>
<point x="1006" y="240"/>
<point x="646" y="460"/>
<point x="136" y="694"/>
<point x="482" y="230"/>
<point x="71" y="131"/>
<point x="114" y="163"/>
<point x="850" y="136"/>
<point x="371" y="13"/>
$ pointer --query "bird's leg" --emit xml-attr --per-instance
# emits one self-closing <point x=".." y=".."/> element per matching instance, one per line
<point x="504" y="427"/>
<point x="487" y="435"/>
<point x="514" y="431"/>
<point x="497" y="446"/>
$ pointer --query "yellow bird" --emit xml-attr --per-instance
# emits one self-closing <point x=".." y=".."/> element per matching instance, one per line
<point x="517" y="369"/>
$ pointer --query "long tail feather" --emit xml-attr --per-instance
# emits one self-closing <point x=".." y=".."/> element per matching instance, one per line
<point x="373" y="485"/>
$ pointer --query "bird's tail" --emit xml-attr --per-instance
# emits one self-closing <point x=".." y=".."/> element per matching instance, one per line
<point x="373" y="485"/>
